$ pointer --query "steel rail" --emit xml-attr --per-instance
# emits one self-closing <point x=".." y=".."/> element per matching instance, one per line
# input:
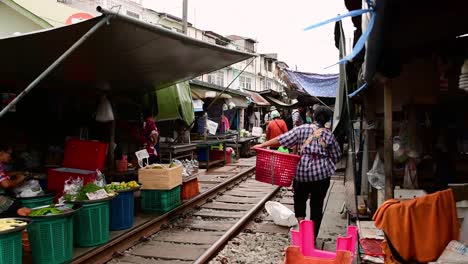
<point x="234" y="230"/>
<point x="106" y="252"/>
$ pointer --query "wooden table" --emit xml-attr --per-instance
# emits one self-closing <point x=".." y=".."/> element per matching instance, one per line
<point x="242" y="145"/>
<point x="205" y="146"/>
<point x="169" y="151"/>
<point x="228" y="137"/>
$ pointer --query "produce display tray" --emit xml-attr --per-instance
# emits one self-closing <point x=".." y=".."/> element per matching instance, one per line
<point x="93" y="201"/>
<point x="18" y="228"/>
<point x="71" y="211"/>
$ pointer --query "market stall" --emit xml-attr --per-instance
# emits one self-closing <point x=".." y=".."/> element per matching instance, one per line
<point x="223" y="110"/>
<point x="61" y="103"/>
<point x="411" y="132"/>
<point x="210" y="152"/>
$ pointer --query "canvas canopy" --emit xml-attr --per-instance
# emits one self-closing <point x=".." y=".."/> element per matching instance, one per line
<point x="123" y="55"/>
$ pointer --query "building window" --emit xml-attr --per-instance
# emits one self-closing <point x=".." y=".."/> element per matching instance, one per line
<point x="268" y="85"/>
<point x="245" y="82"/>
<point x="216" y="78"/>
<point x="133" y="14"/>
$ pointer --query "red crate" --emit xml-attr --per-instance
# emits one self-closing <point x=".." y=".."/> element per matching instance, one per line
<point x="190" y="189"/>
<point x="219" y="155"/>
<point x="85" y="155"/>
<point x="81" y="160"/>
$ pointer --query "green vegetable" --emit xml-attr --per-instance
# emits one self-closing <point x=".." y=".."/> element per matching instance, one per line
<point x="88" y="188"/>
<point x="51" y="210"/>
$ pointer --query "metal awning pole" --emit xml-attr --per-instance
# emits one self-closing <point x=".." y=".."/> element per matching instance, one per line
<point x="54" y="65"/>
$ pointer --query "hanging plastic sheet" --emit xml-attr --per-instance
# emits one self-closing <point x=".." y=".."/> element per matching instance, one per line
<point x="365" y="35"/>
<point x="175" y="102"/>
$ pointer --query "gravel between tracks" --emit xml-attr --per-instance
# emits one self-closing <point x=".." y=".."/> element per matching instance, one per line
<point x="253" y="248"/>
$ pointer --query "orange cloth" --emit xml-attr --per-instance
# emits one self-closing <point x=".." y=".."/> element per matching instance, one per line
<point x="294" y="256"/>
<point x="419" y="229"/>
<point x="275" y="128"/>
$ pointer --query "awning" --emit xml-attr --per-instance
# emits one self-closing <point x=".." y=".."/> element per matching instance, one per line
<point x="127" y="55"/>
<point x="199" y="93"/>
<point x="239" y="102"/>
<point x="280" y="104"/>
<point x="317" y="85"/>
<point x="258" y="99"/>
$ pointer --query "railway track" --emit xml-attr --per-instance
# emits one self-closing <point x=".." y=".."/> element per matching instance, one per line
<point x="195" y="231"/>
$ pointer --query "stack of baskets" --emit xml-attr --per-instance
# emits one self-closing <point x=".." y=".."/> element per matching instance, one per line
<point x="160" y="188"/>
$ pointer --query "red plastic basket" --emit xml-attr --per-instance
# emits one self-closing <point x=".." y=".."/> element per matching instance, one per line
<point x="275" y="167"/>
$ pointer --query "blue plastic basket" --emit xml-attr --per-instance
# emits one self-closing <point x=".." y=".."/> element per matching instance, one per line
<point x="121" y="211"/>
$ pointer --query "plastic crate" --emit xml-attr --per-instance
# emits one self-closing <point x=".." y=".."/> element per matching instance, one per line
<point x="51" y="240"/>
<point x="11" y="251"/>
<point x="190" y="189"/>
<point x="121" y="211"/>
<point x="160" y="201"/>
<point x="36" y="202"/>
<point x="91" y="226"/>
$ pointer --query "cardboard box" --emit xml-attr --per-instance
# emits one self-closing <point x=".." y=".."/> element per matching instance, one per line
<point x="160" y="178"/>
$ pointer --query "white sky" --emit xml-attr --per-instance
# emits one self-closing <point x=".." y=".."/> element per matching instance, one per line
<point x="276" y="25"/>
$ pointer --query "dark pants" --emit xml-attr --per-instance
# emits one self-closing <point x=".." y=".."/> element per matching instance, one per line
<point x="316" y="191"/>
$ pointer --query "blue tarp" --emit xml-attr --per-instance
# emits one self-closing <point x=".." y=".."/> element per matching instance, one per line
<point x="318" y="85"/>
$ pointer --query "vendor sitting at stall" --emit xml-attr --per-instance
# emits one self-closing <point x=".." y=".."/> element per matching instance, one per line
<point x="150" y="137"/>
<point x="8" y="206"/>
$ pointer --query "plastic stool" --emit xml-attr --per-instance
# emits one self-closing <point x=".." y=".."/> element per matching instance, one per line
<point x="304" y="239"/>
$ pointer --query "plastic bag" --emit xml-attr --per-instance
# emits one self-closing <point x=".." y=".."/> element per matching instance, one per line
<point x="281" y="214"/>
<point x="100" y="179"/>
<point x="283" y="150"/>
<point x="71" y="188"/>
<point x="376" y="175"/>
<point x="30" y="188"/>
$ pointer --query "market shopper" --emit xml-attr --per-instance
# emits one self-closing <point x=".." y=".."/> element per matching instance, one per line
<point x="9" y="207"/>
<point x="276" y="127"/>
<point x="319" y="153"/>
<point x="150" y="136"/>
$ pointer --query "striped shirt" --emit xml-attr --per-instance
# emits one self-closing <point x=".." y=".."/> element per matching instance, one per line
<point x="317" y="160"/>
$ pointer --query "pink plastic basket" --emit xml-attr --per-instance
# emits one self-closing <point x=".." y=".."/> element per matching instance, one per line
<point x="275" y="167"/>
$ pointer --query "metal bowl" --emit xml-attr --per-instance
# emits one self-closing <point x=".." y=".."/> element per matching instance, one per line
<point x="18" y="228"/>
<point x="128" y="190"/>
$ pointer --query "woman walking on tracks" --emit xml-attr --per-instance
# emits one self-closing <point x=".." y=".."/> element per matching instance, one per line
<point x="319" y="153"/>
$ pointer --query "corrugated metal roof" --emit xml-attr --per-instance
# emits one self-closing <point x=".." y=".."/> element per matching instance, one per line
<point x="258" y="99"/>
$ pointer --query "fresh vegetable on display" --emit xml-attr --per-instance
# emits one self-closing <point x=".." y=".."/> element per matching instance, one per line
<point x="7" y="224"/>
<point x="51" y="210"/>
<point x="122" y="186"/>
<point x="88" y="188"/>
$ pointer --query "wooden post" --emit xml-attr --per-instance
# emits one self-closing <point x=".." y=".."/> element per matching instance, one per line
<point x="388" y="140"/>
<point x="370" y="109"/>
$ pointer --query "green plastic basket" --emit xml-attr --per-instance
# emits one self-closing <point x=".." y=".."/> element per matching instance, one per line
<point x="51" y="240"/>
<point x="36" y="202"/>
<point x="11" y="249"/>
<point x="91" y="226"/>
<point x="160" y="201"/>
